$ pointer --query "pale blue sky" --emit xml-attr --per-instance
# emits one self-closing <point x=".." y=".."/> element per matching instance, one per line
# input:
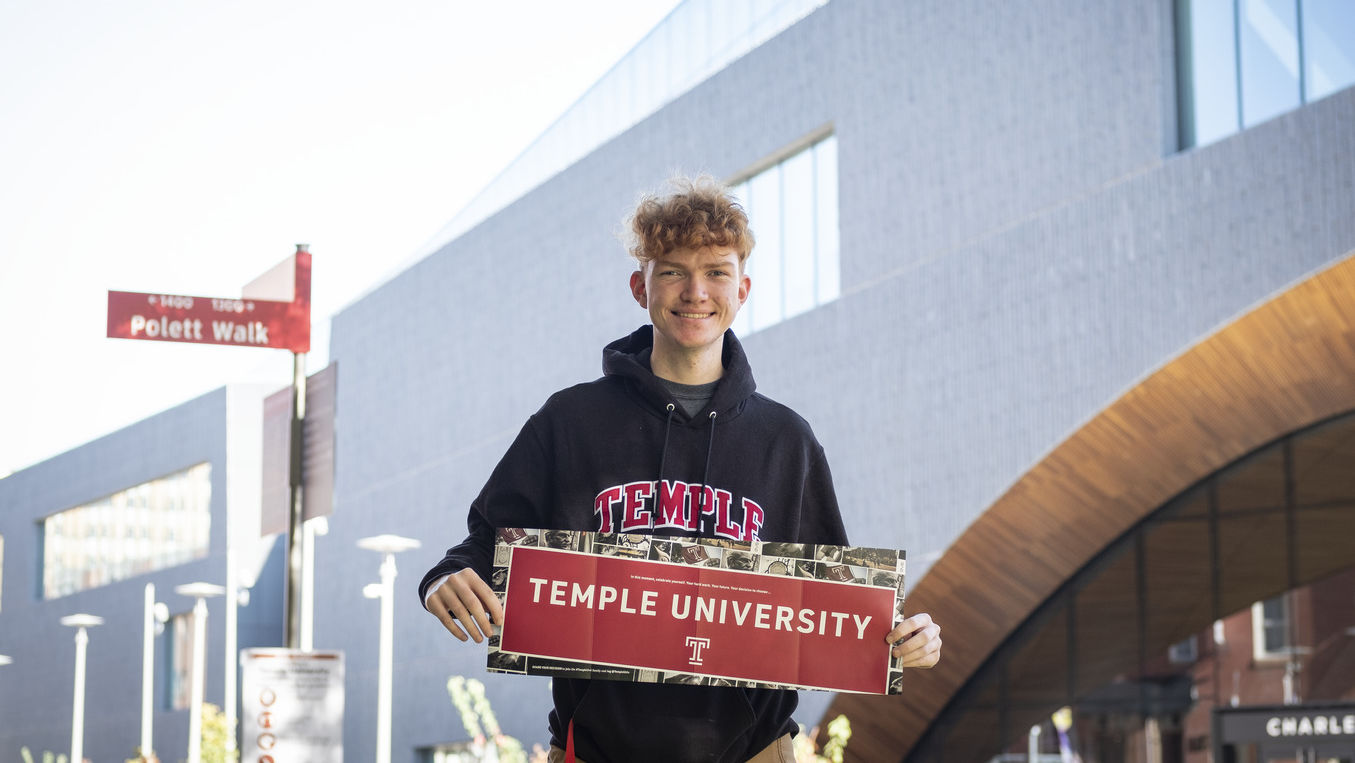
<point x="185" y="148"/>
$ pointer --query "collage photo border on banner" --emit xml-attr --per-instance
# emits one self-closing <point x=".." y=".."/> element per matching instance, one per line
<point x="853" y="565"/>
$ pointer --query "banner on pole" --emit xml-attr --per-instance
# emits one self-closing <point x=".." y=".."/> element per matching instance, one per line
<point x="696" y="611"/>
<point x="317" y="452"/>
<point x="291" y="705"/>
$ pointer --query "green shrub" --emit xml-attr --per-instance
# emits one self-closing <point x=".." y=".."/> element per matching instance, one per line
<point x="839" y="732"/>
<point x="479" y="721"/>
<point x="215" y="735"/>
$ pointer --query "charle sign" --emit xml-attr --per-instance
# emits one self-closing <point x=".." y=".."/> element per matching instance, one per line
<point x="712" y="612"/>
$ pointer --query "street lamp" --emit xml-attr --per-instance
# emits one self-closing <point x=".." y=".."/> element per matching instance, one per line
<point x="81" y="622"/>
<point x="154" y="616"/>
<point x="236" y="597"/>
<point x="201" y="592"/>
<point x="388" y="546"/>
<point x="311" y="529"/>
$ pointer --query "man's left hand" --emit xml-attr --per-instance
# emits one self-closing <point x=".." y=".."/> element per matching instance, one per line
<point x="916" y="641"/>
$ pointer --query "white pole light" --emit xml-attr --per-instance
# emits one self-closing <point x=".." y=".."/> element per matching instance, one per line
<point x="228" y="699"/>
<point x="147" y="666"/>
<point x="154" y="616"/>
<point x="200" y="592"/>
<point x="388" y="546"/>
<point x="313" y="528"/>
<point x="81" y="623"/>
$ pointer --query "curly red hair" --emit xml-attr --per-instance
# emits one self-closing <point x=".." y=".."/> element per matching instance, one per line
<point x="700" y="212"/>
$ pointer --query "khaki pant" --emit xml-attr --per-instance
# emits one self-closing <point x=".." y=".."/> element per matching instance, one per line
<point x="779" y="751"/>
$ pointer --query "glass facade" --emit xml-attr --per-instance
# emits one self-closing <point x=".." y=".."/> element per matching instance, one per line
<point x="154" y="525"/>
<point x="1245" y="61"/>
<point x="179" y="668"/>
<point x="696" y="40"/>
<point x="1268" y="52"/>
<point x="1328" y="45"/>
<point x="792" y="207"/>
<point x="1234" y="595"/>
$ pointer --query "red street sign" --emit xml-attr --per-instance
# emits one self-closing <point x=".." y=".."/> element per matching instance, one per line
<point x="216" y="320"/>
<point x="696" y="620"/>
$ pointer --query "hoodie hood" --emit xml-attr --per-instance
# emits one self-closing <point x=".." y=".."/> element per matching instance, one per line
<point x="628" y="358"/>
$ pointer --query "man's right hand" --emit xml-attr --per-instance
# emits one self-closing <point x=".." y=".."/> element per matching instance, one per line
<point x="465" y="605"/>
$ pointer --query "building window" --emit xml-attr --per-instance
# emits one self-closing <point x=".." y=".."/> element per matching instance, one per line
<point x="179" y="670"/>
<point x="154" y="525"/>
<point x="1245" y="61"/>
<point x="1184" y="652"/>
<point x="1270" y="628"/>
<point x="792" y="208"/>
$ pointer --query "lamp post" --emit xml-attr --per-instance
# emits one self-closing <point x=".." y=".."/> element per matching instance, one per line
<point x="228" y="699"/>
<point x="81" y="623"/>
<point x="153" y="617"/>
<point x="200" y="592"/>
<point x="388" y="546"/>
<point x="310" y="530"/>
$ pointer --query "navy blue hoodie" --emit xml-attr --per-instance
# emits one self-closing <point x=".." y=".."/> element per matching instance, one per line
<point x="763" y="476"/>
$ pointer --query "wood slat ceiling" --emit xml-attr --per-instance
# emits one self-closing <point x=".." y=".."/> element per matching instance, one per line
<point x="1286" y="365"/>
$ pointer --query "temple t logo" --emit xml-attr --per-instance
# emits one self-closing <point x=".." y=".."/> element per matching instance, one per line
<point x="697" y="644"/>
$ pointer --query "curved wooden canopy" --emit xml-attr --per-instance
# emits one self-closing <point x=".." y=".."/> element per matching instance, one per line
<point x="1283" y="366"/>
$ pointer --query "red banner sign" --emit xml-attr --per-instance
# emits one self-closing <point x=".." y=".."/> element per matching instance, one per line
<point x="216" y="320"/>
<point x="688" y="618"/>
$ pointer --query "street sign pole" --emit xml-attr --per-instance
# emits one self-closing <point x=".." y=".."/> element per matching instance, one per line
<point x="273" y="312"/>
<point x="295" y="546"/>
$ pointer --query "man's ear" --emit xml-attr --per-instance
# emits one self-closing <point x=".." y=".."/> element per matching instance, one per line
<point x="745" y="284"/>
<point x="637" y="288"/>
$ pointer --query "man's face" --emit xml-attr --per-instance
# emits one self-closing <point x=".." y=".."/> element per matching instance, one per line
<point x="692" y="296"/>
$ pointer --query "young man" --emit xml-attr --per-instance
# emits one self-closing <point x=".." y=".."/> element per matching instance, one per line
<point x="675" y="414"/>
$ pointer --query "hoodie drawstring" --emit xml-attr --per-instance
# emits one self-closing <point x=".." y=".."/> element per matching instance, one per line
<point x="663" y="457"/>
<point x="663" y="461"/>
<point x="705" y="474"/>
